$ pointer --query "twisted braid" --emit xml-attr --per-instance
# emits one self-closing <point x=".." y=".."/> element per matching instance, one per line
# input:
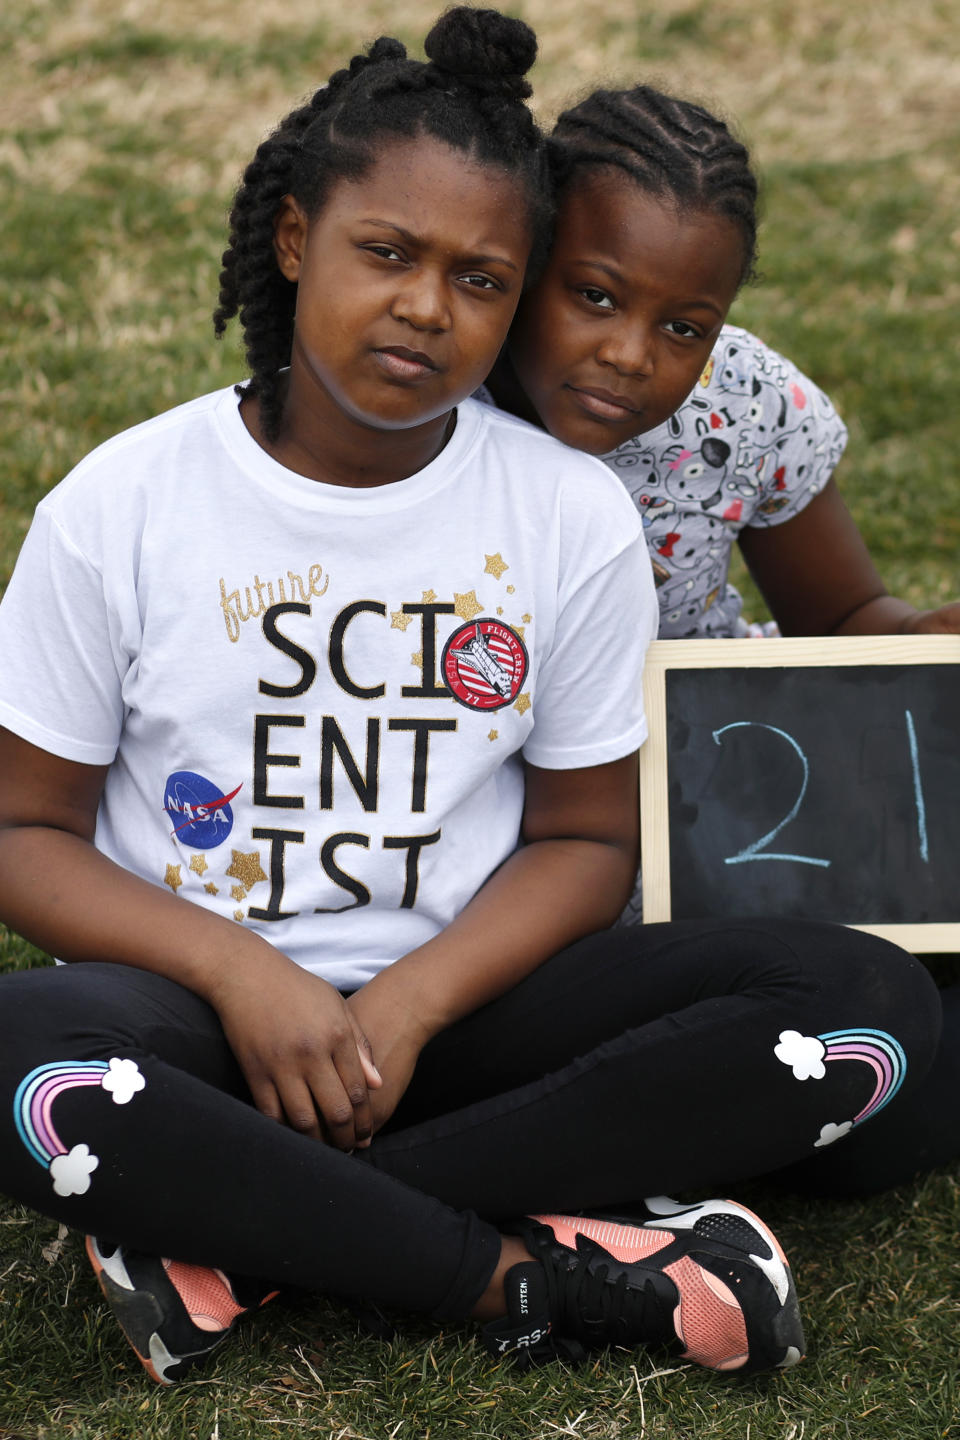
<point x="669" y="147"/>
<point x="251" y="284"/>
<point x="470" y="95"/>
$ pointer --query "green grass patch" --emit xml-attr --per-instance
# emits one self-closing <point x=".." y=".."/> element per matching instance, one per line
<point x="283" y="49"/>
<point x="110" y="236"/>
<point x="667" y="35"/>
<point x="858" y="262"/>
<point x="878" y="1282"/>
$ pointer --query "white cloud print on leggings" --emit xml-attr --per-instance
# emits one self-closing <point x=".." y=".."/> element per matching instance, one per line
<point x="808" y="1056"/>
<point x="71" y="1168"/>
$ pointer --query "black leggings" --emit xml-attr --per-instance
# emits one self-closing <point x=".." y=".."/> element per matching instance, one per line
<point x="638" y="1061"/>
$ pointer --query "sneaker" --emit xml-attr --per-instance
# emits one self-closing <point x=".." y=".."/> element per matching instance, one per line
<point x="708" y="1280"/>
<point x="173" y="1314"/>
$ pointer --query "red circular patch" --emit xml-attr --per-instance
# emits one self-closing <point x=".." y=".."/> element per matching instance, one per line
<point x="484" y="664"/>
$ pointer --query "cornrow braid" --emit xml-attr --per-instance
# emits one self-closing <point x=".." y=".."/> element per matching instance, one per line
<point x="669" y="147"/>
<point x="469" y="95"/>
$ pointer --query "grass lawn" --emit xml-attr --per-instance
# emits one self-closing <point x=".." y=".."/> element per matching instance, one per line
<point x="122" y="128"/>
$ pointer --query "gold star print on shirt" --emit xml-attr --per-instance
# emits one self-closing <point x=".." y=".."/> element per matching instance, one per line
<point x="246" y="868"/>
<point x="466" y="606"/>
<point x="495" y="565"/>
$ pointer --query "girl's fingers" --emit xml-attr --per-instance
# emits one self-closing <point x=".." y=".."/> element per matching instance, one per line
<point x="266" y="1099"/>
<point x="324" y="1095"/>
<point x="341" y="1096"/>
<point x="365" y="1050"/>
<point x="372" y="1075"/>
<point x="299" y="1108"/>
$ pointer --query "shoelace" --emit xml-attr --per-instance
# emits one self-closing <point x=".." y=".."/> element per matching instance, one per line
<point x="587" y="1305"/>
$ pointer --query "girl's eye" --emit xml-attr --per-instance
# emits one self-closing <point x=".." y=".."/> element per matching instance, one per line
<point x="596" y="297"/>
<point x="480" y="282"/>
<point x="384" y="252"/>
<point x="683" y="328"/>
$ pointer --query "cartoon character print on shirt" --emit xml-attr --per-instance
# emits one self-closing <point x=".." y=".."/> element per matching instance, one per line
<point x="638" y="470"/>
<point x="696" y="552"/>
<point x="752" y="445"/>
<point x="675" y="489"/>
<point x="789" y="439"/>
<point x="808" y="1056"/>
<point x="70" y="1169"/>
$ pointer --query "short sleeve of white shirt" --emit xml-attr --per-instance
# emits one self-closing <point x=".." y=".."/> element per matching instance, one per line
<point x="596" y="665"/>
<point x="66" y="640"/>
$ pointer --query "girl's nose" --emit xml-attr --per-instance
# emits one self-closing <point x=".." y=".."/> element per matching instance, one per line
<point x="422" y="302"/>
<point x="628" y="348"/>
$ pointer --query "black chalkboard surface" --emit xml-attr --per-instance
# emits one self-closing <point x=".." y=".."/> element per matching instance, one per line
<point x="814" y="777"/>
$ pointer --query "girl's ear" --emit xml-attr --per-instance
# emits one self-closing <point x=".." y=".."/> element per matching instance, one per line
<point x="289" y="238"/>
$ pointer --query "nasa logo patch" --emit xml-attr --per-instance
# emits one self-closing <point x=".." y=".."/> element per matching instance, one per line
<point x="199" y="810"/>
<point x="484" y="664"/>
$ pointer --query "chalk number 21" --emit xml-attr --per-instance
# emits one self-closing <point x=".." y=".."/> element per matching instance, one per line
<point x="757" y="851"/>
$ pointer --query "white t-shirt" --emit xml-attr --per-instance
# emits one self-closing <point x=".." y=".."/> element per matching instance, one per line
<point x="314" y="699"/>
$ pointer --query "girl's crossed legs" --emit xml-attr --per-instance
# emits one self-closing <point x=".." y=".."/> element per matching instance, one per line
<point x="638" y="1061"/>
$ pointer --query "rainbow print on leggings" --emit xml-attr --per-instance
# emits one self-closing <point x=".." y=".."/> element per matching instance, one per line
<point x="33" y="1106"/>
<point x="878" y="1050"/>
<point x="808" y="1056"/>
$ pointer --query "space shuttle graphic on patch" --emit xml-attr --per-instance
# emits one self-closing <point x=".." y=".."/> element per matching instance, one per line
<point x="484" y="664"/>
<point x="477" y="653"/>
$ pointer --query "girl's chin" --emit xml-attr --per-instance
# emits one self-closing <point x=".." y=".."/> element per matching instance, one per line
<point x="592" y="438"/>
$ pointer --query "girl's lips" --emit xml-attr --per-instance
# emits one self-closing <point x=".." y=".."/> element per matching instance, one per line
<point x="403" y="364"/>
<point x="603" y="404"/>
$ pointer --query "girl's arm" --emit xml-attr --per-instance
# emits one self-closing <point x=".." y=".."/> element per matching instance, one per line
<point x="817" y="577"/>
<point x="572" y="876"/>
<point x="294" y="1038"/>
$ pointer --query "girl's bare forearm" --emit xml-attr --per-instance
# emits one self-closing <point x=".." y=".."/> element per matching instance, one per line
<point x="542" y="899"/>
<point x="63" y="895"/>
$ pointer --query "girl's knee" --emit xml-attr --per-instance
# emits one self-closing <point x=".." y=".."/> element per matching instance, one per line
<point x="874" y="1005"/>
<point x="895" y="990"/>
<point x="866" y="977"/>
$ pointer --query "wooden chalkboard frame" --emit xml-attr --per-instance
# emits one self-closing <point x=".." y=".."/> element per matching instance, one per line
<point x="841" y="650"/>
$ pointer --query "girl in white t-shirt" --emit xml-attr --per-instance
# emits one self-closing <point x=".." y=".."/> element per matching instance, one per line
<point x="621" y="350"/>
<point x="321" y="712"/>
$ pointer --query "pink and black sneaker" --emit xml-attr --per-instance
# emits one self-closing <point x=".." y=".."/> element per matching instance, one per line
<point x="173" y="1314"/>
<point x="707" y="1280"/>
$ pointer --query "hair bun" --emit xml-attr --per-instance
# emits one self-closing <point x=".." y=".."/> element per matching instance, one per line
<point x="483" y="48"/>
<point x="383" y="49"/>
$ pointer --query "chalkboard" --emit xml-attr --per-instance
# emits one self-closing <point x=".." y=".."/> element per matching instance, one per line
<point x="806" y="777"/>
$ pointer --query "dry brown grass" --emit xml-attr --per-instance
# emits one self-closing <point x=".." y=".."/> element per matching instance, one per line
<point x="820" y="79"/>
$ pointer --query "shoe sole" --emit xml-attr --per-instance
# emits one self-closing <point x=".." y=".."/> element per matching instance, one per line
<point x="139" y="1315"/>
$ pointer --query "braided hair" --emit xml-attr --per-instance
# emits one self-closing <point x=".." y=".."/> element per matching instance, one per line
<point x="470" y="96"/>
<point x="671" y="148"/>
